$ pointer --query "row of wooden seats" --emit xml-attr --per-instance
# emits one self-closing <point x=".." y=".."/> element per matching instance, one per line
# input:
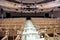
<point x="13" y="22"/>
<point x="52" y="38"/>
<point x="38" y="26"/>
<point x="11" y="32"/>
<point x="49" y="30"/>
<point x="45" y="21"/>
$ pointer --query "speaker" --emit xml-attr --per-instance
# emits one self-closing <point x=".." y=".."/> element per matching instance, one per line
<point x="8" y="15"/>
<point x="28" y="18"/>
<point x="47" y="15"/>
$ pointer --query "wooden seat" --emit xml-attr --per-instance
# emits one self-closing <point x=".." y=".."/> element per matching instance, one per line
<point x="52" y="38"/>
<point x="57" y="30"/>
<point x="50" y="31"/>
<point x="12" y="32"/>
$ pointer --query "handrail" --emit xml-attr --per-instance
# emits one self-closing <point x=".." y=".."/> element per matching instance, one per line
<point x="5" y="38"/>
<point x="18" y="37"/>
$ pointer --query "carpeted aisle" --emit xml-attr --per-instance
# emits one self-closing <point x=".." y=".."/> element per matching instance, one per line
<point x="30" y="32"/>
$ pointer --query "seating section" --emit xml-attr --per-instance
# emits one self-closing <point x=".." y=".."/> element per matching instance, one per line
<point x="46" y="25"/>
<point x="43" y="25"/>
<point x="13" y="24"/>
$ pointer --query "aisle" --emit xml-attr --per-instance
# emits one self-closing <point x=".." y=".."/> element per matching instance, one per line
<point x="30" y="32"/>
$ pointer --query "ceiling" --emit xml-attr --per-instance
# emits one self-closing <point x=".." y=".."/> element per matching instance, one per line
<point x="57" y="13"/>
<point x="31" y="1"/>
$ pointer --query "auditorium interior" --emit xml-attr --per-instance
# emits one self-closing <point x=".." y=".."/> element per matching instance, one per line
<point x="29" y="19"/>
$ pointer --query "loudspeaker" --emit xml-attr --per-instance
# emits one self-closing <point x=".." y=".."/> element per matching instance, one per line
<point x="28" y="18"/>
<point x="8" y="15"/>
<point x="47" y="15"/>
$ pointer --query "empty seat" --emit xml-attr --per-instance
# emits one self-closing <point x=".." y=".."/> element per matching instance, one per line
<point x="52" y="38"/>
<point x="58" y="30"/>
